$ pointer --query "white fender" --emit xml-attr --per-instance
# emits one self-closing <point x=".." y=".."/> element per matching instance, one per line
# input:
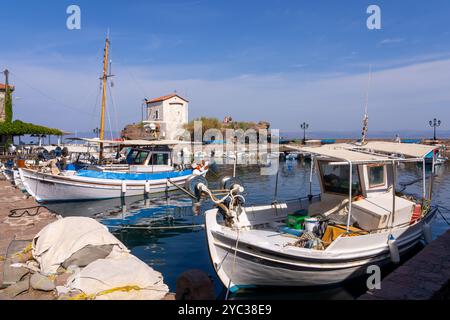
<point x="124" y="187"/>
<point x="393" y="250"/>
<point x="147" y="187"/>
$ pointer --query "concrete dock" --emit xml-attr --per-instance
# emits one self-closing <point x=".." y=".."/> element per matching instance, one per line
<point x="19" y="228"/>
<point x="425" y="276"/>
<point x="24" y="227"/>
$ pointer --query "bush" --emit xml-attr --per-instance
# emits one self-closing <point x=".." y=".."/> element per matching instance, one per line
<point x="19" y="128"/>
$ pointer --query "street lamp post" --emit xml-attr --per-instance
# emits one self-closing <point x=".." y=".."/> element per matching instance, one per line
<point x="434" y="124"/>
<point x="304" y="126"/>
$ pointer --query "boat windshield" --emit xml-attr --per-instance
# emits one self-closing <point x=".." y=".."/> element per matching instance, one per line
<point x="135" y="157"/>
<point x="159" y="158"/>
<point x="335" y="178"/>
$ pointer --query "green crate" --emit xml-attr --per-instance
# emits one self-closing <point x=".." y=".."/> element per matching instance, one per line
<point x="295" y="221"/>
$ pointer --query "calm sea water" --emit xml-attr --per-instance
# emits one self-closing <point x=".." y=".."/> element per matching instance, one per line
<point x="172" y="251"/>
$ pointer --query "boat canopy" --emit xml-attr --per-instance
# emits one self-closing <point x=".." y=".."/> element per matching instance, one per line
<point x="372" y="152"/>
<point x="407" y="149"/>
<point x="341" y="153"/>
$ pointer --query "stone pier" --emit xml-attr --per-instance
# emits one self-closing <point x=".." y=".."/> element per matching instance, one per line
<point x="425" y="276"/>
<point x="19" y="228"/>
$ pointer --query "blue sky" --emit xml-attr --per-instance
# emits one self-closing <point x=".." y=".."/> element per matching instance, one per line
<point x="281" y="61"/>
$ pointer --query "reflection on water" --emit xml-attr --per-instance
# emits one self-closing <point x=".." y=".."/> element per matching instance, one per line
<point x="163" y="231"/>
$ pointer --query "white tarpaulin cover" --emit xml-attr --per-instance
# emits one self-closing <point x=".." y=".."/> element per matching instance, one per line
<point x="341" y="151"/>
<point x="55" y="243"/>
<point x="114" y="279"/>
<point x="369" y="151"/>
<point x="407" y="149"/>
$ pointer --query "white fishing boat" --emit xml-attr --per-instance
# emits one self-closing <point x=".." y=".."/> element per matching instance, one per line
<point x="149" y="169"/>
<point x="441" y="158"/>
<point x="358" y="220"/>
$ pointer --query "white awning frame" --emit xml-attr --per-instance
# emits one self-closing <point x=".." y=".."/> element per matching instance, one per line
<point x="362" y="154"/>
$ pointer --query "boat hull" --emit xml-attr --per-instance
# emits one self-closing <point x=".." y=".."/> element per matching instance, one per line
<point x="18" y="181"/>
<point x="252" y="266"/>
<point x="49" y="188"/>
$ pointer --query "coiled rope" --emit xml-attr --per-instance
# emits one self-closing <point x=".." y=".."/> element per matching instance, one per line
<point x="20" y="212"/>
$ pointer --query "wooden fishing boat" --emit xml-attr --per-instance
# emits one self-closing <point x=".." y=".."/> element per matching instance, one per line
<point x="149" y="169"/>
<point x="359" y="220"/>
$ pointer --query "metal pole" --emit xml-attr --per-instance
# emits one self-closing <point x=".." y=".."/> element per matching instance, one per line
<point x="276" y="188"/>
<point x="430" y="190"/>
<point x="235" y="157"/>
<point x="424" y="183"/>
<point x="311" y="177"/>
<point x="350" y="196"/>
<point x="394" y="172"/>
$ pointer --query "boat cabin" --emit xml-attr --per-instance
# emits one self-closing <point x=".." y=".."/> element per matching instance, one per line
<point x="358" y="184"/>
<point x="153" y="156"/>
<point x="368" y="180"/>
<point x="149" y="159"/>
<point x="140" y="155"/>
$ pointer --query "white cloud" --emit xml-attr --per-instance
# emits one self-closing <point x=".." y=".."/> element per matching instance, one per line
<point x="401" y="98"/>
<point x="391" y="41"/>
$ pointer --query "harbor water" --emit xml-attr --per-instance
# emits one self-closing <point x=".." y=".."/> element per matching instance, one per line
<point x="164" y="231"/>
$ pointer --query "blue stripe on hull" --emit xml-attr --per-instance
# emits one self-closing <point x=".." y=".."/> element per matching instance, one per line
<point x="132" y="176"/>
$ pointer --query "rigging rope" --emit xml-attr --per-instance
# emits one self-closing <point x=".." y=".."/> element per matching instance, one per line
<point x="114" y="108"/>
<point x="49" y="97"/>
<point x="404" y="185"/>
<point x="438" y="210"/>
<point x="96" y="109"/>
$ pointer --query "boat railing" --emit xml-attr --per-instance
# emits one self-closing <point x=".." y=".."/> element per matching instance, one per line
<point x="300" y="200"/>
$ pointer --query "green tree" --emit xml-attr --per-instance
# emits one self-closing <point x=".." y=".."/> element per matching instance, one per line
<point x="8" y="108"/>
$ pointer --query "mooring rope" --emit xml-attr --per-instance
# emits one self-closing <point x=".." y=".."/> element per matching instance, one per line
<point x="438" y="210"/>
<point x="234" y="264"/>
<point x="404" y="185"/>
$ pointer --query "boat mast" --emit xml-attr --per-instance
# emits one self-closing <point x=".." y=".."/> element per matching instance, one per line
<point x="104" y="79"/>
<point x="366" y="113"/>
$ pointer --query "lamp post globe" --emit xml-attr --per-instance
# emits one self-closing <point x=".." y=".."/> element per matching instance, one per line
<point x="435" y="123"/>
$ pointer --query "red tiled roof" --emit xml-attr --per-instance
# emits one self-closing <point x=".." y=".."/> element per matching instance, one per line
<point x="3" y="87"/>
<point x="163" y="98"/>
